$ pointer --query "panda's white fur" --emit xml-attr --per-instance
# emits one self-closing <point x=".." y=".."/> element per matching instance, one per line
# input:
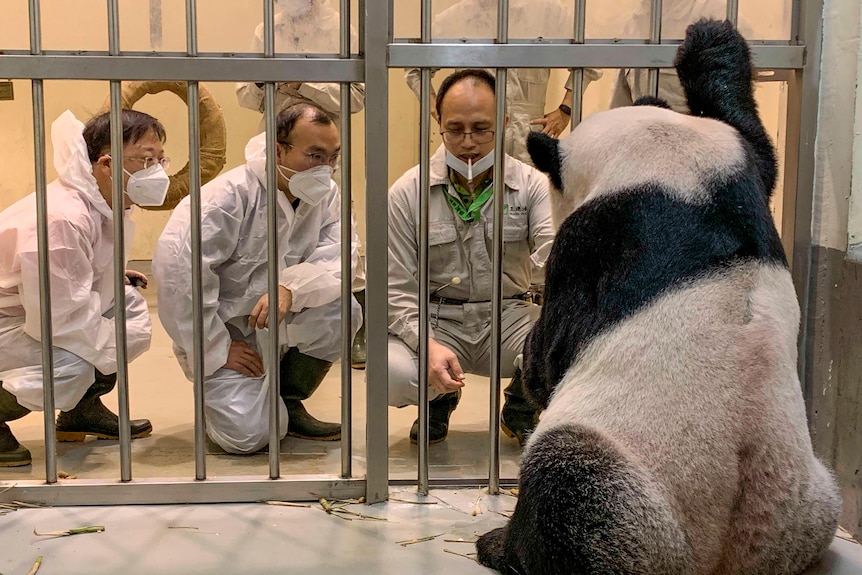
<point x="674" y="439"/>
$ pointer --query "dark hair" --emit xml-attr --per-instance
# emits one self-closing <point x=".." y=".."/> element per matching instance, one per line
<point x="97" y="132"/>
<point x="477" y="75"/>
<point x="287" y="118"/>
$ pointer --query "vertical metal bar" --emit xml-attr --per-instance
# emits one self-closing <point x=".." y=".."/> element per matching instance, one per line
<point x="378" y="34"/>
<point x="733" y="11"/>
<point x="497" y="255"/>
<point x="273" y="264"/>
<point x="346" y="260"/>
<point x="424" y="185"/>
<point x="119" y="249"/>
<point x="654" y="38"/>
<point x="578" y="73"/>
<point x="795" y="21"/>
<point x="44" y="264"/>
<point x="197" y="289"/>
<point x="803" y="105"/>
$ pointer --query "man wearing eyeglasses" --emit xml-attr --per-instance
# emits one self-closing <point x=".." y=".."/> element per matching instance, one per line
<point x="460" y="237"/>
<point x="80" y="251"/>
<point x="238" y="317"/>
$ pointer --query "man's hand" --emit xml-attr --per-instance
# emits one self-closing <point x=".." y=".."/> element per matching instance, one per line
<point x="259" y="316"/>
<point x="136" y="279"/>
<point x="553" y="123"/>
<point x="444" y="372"/>
<point x="243" y="359"/>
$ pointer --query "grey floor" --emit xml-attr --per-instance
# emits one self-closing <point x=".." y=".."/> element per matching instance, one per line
<point x="260" y="538"/>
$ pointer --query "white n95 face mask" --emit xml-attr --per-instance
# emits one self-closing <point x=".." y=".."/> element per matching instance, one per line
<point x="148" y="187"/>
<point x="468" y="170"/>
<point x="311" y="185"/>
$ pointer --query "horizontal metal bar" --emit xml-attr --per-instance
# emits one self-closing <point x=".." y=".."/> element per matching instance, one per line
<point x="174" y="491"/>
<point x="181" y="68"/>
<point x="567" y="56"/>
<point x="461" y="482"/>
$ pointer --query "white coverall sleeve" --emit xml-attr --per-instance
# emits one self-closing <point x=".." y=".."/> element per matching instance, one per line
<point x="413" y="77"/>
<point x="317" y="280"/>
<point x="403" y="268"/>
<point x="328" y="95"/>
<point x="248" y="94"/>
<point x="542" y="230"/>
<point x="220" y="229"/>
<point x="76" y="308"/>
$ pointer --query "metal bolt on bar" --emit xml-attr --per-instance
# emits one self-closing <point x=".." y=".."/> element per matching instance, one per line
<point x="44" y="263"/>
<point x="578" y="73"/>
<point x="497" y="256"/>
<point x="273" y="370"/>
<point x="424" y="296"/>
<point x="654" y="38"/>
<point x="346" y="259"/>
<point x="197" y="288"/>
<point x="119" y="250"/>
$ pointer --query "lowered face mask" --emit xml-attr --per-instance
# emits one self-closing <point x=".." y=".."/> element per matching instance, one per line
<point x="311" y="185"/>
<point x="148" y="187"/>
<point x="468" y="169"/>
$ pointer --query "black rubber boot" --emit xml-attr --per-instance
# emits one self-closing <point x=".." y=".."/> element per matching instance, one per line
<point x="12" y="453"/>
<point x="358" y="353"/>
<point x="301" y="375"/>
<point x="520" y="415"/>
<point x="91" y="417"/>
<point x="439" y="412"/>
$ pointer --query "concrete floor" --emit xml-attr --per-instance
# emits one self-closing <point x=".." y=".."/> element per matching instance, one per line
<point x="261" y="539"/>
<point x="258" y="538"/>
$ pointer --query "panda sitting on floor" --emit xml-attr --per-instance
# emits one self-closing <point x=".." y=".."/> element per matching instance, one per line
<point x="674" y="438"/>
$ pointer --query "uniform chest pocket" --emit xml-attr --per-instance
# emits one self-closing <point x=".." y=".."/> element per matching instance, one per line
<point x="515" y="228"/>
<point x="444" y="251"/>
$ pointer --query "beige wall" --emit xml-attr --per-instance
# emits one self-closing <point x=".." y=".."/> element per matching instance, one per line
<point x="227" y="26"/>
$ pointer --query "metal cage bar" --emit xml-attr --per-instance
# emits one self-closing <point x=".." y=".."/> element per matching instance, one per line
<point x="733" y="11"/>
<point x="654" y="38"/>
<point x="119" y="250"/>
<point x="497" y="256"/>
<point x="46" y="336"/>
<point x="378" y="35"/>
<point x="424" y="269"/>
<point x="273" y="369"/>
<point x="578" y="73"/>
<point x="199" y="368"/>
<point x="346" y="259"/>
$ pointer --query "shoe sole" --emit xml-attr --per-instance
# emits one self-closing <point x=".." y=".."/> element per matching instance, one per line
<point x="431" y="442"/>
<point x="78" y="436"/>
<point x="21" y="463"/>
<point x="326" y="438"/>
<point x="358" y="365"/>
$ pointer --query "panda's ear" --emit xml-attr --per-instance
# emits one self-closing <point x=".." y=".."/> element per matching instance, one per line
<point x="545" y="153"/>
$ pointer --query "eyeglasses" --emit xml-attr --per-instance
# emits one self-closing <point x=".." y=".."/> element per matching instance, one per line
<point x="150" y="161"/>
<point x="457" y="136"/>
<point x="316" y="158"/>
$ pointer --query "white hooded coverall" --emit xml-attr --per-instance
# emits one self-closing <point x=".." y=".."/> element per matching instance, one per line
<point x="81" y="260"/>
<point x="526" y="88"/>
<point x="234" y="256"/>
<point x="463" y="250"/>
<point x="313" y="29"/>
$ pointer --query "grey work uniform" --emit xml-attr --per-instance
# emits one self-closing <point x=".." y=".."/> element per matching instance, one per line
<point x="463" y="249"/>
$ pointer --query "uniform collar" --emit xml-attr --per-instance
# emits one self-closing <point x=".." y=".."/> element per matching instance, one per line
<point x="439" y="172"/>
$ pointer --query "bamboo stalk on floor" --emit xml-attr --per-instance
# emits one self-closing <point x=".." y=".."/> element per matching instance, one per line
<point x="35" y="566"/>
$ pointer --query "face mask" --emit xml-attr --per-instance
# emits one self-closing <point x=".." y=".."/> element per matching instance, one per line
<point x="310" y="186"/>
<point x="468" y="169"/>
<point x="148" y="187"/>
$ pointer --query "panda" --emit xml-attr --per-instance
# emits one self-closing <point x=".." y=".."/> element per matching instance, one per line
<point x="674" y="438"/>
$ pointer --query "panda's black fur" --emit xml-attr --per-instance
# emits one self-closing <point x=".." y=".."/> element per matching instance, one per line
<point x="598" y="490"/>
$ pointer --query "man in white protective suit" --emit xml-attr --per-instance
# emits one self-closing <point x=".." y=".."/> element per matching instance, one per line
<point x="309" y="27"/>
<point x="460" y="236"/>
<point x="237" y="314"/>
<point x="526" y="88"/>
<point x="677" y="15"/>
<point x="80" y="255"/>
